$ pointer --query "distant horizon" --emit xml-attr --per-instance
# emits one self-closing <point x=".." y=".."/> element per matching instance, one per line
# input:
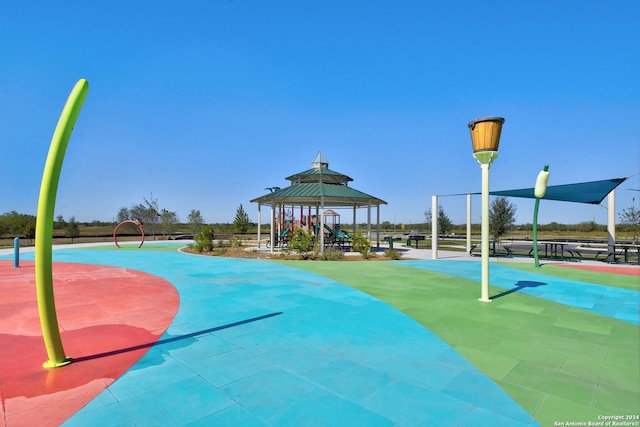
<point x="517" y="224"/>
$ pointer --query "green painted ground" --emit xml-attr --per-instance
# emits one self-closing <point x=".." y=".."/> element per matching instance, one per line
<point x="615" y="280"/>
<point x="560" y="363"/>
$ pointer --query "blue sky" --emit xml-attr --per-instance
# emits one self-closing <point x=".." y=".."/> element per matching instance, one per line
<point x="203" y="104"/>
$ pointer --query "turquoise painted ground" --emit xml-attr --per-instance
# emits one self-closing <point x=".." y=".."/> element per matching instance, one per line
<point x="329" y="354"/>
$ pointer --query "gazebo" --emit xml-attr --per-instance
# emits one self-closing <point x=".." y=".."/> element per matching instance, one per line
<point x="310" y="193"/>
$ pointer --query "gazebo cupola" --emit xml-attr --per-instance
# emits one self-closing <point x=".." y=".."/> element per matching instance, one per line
<point x="319" y="173"/>
<point x="320" y="162"/>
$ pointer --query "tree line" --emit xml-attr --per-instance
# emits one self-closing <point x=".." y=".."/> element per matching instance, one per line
<point x="156" y="220"/>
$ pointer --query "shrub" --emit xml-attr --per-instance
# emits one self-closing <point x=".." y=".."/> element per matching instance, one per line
<point x="332" y="254"/>
<point x="360" y="243"/>
<point x="220" y="251"/>
<point x="236" y="241"/>
<point x="301" y="243"/>
<point x="392" y="253"/>
<point x="204" y="239"/>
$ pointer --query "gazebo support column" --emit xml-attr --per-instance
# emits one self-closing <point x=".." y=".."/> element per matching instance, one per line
<point x="369" y="221"/>
<point x="259" y="221"/>
<point x="321" y="226"/>
<point x="354" y="218"/>
<point x="271" y="228"/>
<point x="378" y="227"/>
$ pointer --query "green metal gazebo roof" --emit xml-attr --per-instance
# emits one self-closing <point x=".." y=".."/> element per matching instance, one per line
<point x="319" y="186"/>
<point x="311" y="194"/>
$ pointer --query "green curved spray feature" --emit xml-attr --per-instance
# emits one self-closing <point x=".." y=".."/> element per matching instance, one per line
<point x="44" y="226"/>
<point x="539" y="191"/>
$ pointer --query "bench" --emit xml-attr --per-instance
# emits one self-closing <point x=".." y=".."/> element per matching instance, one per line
<point x="573" y="252"/>
<point x="609" y="256"/>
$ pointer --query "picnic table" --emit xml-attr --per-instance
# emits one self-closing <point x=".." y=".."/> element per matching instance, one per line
<point x="415" y="237"/>
<point x="390" y="240"/>
<point x="626" y="250"/>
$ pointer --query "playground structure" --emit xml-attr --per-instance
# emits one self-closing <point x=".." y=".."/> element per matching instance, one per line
<point x="337" y="236"/>
<point x="282" y="239"/>
<point x="310" y="194"/>
<point x="333" y="235"/>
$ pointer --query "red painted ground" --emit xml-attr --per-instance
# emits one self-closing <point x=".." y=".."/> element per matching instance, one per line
<point x="100" y="310"/>
<point x="630" y="271"/>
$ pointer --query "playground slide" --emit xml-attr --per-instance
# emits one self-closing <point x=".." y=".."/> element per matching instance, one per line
<point x="339" y="235"/>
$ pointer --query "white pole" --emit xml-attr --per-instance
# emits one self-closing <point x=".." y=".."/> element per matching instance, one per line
<point x="321" y="227"/>
<point x="469" y="223"/>
<point x="485" y="232"/>
<point x="354" y="218"/>
<point x="611" y="226"/>
<point x="259" y="225"/>
<point x="485" y="158"/>
<point x="271" y="227"/>
<point x="378" y="227"/>
<point x="369" y="222"/>
<point x="434" y="227"/>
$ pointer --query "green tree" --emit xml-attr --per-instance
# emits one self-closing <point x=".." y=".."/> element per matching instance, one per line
<point x="195" y="220"/>
<point x="136" y="212"/>
<point x="123" y="215"/>
<point x="151" y="214"/>
<point x="16" y="224"/>
<point x="587" y="226"/>
<point x="147" y="213"/>
<point x="59" y="222"/>
<point x="444" y="223"/>
<point x="502" y="217"/>
<point x="169" y="220"/>
<point x="71" y="229"/>
<point x="631" y="217"/>
<point x="555" y="227"/>
<point x="29" y="230"/>
<point x="241" y="222"/>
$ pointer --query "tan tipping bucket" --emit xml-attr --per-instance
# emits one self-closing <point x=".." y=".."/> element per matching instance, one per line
<point x="485" y="133"/>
